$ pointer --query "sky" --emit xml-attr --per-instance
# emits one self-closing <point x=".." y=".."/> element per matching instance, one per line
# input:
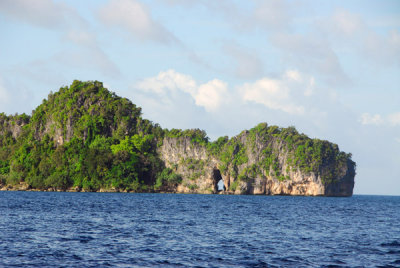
<point x="329" y="68"/>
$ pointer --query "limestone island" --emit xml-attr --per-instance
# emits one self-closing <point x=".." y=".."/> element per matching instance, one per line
<point x="86" y="138"/>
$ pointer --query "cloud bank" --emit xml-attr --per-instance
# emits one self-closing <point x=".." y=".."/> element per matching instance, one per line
<point x="209" y="95"/>
<point x="287" y="94"/>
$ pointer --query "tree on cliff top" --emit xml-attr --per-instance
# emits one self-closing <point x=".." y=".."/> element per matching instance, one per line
<point x="83" y="136"/>
<point x="87" y="137"/>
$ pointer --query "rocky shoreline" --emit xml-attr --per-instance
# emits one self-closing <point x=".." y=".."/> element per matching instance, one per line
<point x="23" y="187"/>
<point x="86" y="138"/>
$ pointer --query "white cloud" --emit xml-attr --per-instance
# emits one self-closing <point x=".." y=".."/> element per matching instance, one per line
<point x="89" y="53"/>
<point x="272" y="14"/>
<point x="183" y="2"/>
<point x="88" y="59"/>
<point x="209" y="95"/>
<point x="43" y="13"/>
<point x="74" y="28"/>
<point x="296" y="79"/>
<point x="311" y="53"/>
<point x="368" y="119"/>
<point x="273" y="94"/>
<point x="377" y="119"/>
<point x="168" y="81"/>
<point x="319" y="49"/>
<point x="310" y="87"/>
<point x="133" y="16"/>
<point x="81" y="37"/>
<point x="382" y="49"/>
<point x="350" y="32"/>
<point x="287" y="94"/>
<point x="248" y="64"/>
<point x="291" y="93"/>
<point x="293" y="75"/>
<point x="394" y="119"/>
<point x="395" y="38"/>
<point x="346" y="23"/>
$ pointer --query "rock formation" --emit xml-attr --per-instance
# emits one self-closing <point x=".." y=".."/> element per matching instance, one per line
<point x="201" y="170"/>
<point x="85" y="138"/>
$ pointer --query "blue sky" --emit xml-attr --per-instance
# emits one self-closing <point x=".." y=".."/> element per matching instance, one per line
<point x="330" y="68"/>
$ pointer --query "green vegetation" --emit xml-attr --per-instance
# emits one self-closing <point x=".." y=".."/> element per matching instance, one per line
<point x="193" y="164"/>
<point x="249" y="173"/>
<point x="86" y="137"/>
<point x="234" y="185"/>
<point x="309" y="155"/>
<point x="192" y="186"/>
<point x="232" y="153"/>
<point x="82" y="136"/>
<point x="196" y="136"/>
<point x="167" y="180"/>
<point x="214" y="148"/>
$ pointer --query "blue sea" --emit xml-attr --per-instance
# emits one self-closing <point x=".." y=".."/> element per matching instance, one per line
<point x="56" y="229"/>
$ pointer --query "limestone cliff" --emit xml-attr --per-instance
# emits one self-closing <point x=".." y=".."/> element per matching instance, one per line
<point x="86" y="138"/>
<point x="193" y="162"/>
<point x="11" y="126"/>
<point x="264" y="160"/>
<point x="81" y="110"/>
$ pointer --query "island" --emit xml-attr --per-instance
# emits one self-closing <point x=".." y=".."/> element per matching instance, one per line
<point x="85" y="138"/>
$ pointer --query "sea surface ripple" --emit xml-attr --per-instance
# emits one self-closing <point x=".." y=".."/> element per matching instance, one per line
<point x="53" y="229"/>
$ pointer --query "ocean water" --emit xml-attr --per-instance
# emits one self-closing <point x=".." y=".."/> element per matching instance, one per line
<point x="50" y="229"/>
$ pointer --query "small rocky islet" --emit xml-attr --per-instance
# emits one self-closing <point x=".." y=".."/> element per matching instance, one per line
<point x="85" y="138"/>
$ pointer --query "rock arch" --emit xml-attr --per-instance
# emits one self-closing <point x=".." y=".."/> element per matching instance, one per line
<point x="217" y="178"/>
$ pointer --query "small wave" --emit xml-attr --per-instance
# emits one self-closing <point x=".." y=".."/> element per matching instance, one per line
<point x="151" y="235"/>
<point x="287" y="261"/>
<point x="394" y="243"/>
<point x="28" y="229"/>
<point x="76" y="257"/>
<point x="163" y="262"/>
<point x="148" y="250"/>
<point x="85" y="239"/>
<point x="82" y="239"/>
<point x="59" y="254"/>
<point x="256" y="263"/>
<point x="65" y="239"/>
<point x="222" y="232"/>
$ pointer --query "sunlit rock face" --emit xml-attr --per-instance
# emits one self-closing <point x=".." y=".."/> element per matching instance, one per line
<point x="201" y="170"/>
<point x="129" y="153"/>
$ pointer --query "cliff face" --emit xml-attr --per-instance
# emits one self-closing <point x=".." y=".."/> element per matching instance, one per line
<point x="84" y="137"/>
<point x="82" y="111"/>
<point x="12" y="125"/>
<point x="249" y="169"/>
<point x="193" y="162"/>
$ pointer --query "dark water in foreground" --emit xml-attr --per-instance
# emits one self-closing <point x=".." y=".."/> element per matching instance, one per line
<point x="107" y="229"/>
